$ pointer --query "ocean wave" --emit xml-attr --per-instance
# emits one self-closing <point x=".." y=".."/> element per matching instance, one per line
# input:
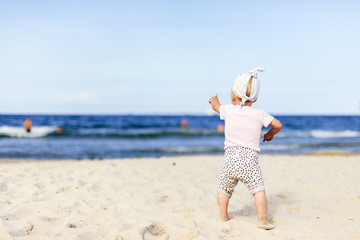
<point x="176" y="150"/>
<point x="334" y="134"/>
<point x="44" y="131"/>
<point x="138" y="133"/>
<point x="281" y="147"/>
<point x="150" y="133"/>
<point x="309" y="146"/>
<point x="184" y="150"/>
<point x="316" y="134"/>
<point x="19" y="132"/>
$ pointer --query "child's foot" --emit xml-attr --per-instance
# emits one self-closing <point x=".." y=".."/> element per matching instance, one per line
<point x="265" y="225"/>
<point x="224" y="219"/>
<point x="224" y="216"/>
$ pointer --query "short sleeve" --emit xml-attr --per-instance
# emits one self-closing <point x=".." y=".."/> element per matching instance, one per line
<point x="222" y="112"/>
<point x="266" y="119"/>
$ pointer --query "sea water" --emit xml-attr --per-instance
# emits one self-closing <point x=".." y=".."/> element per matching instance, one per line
<point x="127" y="136"/>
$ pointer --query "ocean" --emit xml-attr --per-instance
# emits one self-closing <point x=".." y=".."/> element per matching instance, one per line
<point x="129" y="136"/>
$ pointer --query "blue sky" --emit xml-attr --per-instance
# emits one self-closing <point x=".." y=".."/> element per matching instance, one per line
<point x="149" y="57"/>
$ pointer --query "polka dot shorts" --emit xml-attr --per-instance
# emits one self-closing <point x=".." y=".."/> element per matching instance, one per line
<point x="240" y="164"/>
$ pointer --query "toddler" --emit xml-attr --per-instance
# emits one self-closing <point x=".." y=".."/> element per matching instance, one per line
<point x="242" y="136"/>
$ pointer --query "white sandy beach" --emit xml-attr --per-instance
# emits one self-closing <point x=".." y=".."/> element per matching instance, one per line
<point x="309" y="197"/>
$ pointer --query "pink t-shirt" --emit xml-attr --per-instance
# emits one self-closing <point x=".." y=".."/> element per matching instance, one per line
<point x="243" y="125"/>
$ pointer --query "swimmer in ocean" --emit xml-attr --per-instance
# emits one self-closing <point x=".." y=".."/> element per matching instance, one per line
<point x="27" y="125"/>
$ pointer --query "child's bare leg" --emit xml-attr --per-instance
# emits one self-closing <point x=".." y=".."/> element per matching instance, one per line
<point x="223" y="202"/>
<point x="261" y="205"/>
<point x="261" y="209"/>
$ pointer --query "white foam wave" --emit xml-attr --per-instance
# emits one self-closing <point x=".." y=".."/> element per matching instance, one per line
<point x="334" y="134"/>
<point x="287" y="134"/>
<point x="19" y="132"/>
<point x="279" y="147"/>
<point x="191" y="150"/>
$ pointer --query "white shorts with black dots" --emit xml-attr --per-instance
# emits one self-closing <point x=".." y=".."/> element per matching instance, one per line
<point x="242" y="164"/>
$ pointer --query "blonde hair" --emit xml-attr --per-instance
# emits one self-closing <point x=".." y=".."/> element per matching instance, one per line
<point x="248" y="89"/>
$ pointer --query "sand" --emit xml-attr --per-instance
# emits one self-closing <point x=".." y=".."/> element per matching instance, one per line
<point x="309" y="196"/>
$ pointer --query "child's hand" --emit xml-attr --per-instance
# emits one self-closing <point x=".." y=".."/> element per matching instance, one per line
<point x="268" y="137"/>
<point x="214" y="101"/>
<point x="214" y="98"/>
<point x="275" y="128"/>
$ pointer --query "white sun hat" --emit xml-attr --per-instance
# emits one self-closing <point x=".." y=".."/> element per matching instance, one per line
<point x="241" y="82"/>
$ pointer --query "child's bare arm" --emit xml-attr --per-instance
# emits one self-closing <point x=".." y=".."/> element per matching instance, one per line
<point x="275" y="128"/>
<point x="214" y="101"/>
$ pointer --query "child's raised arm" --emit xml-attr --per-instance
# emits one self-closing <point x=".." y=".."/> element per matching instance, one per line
<point x="275" y="128"/>
<point x="214" y="101"/>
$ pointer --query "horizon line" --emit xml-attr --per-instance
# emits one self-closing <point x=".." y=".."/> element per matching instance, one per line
<point x="180" y="114"/>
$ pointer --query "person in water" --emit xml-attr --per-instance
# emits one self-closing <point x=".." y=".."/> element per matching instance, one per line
<point x="27" y="125"/>
<point x="184" y="123"/>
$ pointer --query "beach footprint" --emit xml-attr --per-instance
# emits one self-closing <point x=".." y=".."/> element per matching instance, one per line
<point x="225" y="227"/>
<point x="3" y="186"/>
<point x="21" y="232"/>
<point x="282" y="196"/>
<point x="154" y="231"/>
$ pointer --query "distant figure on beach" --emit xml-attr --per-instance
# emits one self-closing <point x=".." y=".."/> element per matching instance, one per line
<point x="27" y="125"/>
<point x="242" y="136"/>
<point x="184" y="123"/>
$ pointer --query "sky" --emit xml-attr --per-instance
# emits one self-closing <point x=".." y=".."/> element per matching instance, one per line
<point x="170" y="57"/>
